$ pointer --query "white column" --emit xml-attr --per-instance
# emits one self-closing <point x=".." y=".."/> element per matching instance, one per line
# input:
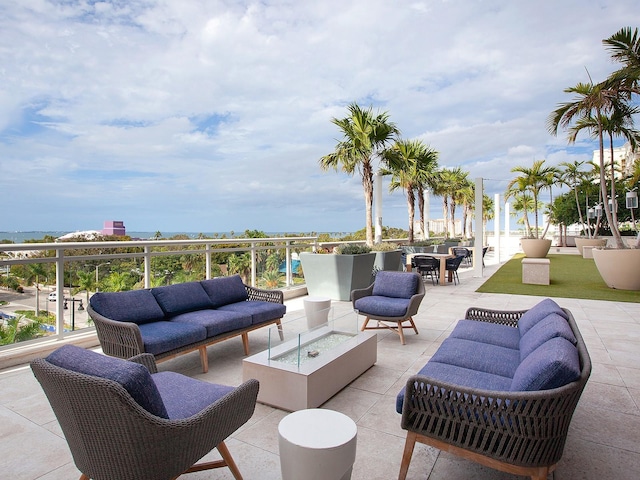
<point x="507" y="227"/>
<point x="496" y="223"/>
<point x="378" y="207"/>
<point x="477" y="245"/>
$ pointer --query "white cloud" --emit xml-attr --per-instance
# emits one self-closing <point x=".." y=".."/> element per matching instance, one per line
<point x="206" y="116"/>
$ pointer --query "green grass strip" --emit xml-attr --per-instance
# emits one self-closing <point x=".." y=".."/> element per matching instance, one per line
<point x="571" y="276"/>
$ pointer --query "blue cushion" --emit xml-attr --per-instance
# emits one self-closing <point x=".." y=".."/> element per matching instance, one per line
<point x="537" y="313"/>
<point x="382" y="306"/>
<point x="396" y="284"/>
<point x="134" y="377"/>
<point x="184" y="396"/>
<point x="225" y="290"/>
<point x="215" y="321"/>
<point x="482" y="357"/>
<point x="182" y="297"/>
<point x="459" y="376"/>
<point x="160" y="337"/>
<point x="137" y="306"/>
<point x="551" y="326"/>
<point x="485" y="332"/>
<point x="553" y="364"/>
<point x="259" y="310"/>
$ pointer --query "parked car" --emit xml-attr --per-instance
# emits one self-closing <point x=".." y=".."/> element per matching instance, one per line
<point x="53" y="296"/>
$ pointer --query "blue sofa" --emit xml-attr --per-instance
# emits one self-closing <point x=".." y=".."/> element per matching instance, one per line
<point x="175" y="319"/>
<point x="500" y="390"/>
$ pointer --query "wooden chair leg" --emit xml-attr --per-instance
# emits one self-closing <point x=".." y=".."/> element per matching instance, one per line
<point x="415" y="329"/>
<point x="401" y="333"/>
<point x="204" y="359"/>
<point x="84" y="477"/>
<point x="226" y="455"/>
<point x="364" y="325"/>
<point x="409" y="443"/>
<point x="245" y="343"/>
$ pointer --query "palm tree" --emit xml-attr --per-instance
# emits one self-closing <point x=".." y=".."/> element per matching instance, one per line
<point x="427" y="177"/>
<point x="365" y="135"/>
<point x="572" y="176"/>
<point x="35" y="271"/>
<point x="523" y="202"/>
<point x="408" y="161"/>
<point x="552" y="177"/>
<point x="624" y="46"/>
<point x="533" y="180"/>
<point x="86" y="282"/>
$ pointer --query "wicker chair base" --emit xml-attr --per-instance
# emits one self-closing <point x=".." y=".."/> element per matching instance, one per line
<point x="383" y="326"/>
<point x="536" y="473"/>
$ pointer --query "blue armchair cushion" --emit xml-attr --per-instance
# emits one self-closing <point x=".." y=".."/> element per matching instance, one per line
<point x="485" y="358"/>
<point x="395" y="284"/>
<point x="184" y="396"/>
<point x="134" y="377"/>
<point x="137" y="306"/>
<point x="553" y="364"/>
<point x="182" y="297"/>
<point x="485" y="332"/>
<point x="258" y="310"/>
<point x="459" y="376"/>
<point x="537" y="313"/>
<point x="225" y="290"/>
<point x="551" y="326"/>
<point x="380" y="306"/>
<point x="215" y="321"/>
<point x="160" y="337"/>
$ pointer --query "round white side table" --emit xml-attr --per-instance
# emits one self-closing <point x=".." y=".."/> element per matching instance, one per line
<point x="316" y="309"/>
<point x="317" y="444"/>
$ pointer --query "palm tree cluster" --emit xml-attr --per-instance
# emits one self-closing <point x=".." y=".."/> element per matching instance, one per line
<point x="606" y="108"/>
<point x="412" y="165"/>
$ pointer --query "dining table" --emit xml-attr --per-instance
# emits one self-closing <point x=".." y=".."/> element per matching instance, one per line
<point x="440" y="256"/>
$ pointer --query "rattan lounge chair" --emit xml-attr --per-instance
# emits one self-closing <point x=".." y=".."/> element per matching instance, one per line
<point x="112" y="436"/>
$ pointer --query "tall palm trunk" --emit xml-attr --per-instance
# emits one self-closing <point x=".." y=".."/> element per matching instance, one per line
<point x="445" y="214"/>
<point x="421" y="211"/>
<point x="603" y="188"/>
<point x="367" y="186"/>
<point x="411" y="200"/>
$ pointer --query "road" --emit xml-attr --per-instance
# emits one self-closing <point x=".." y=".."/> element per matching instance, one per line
<point x="27" y="301"/>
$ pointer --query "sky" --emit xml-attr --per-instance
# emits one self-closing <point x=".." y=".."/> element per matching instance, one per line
<point x="211" y="116"/>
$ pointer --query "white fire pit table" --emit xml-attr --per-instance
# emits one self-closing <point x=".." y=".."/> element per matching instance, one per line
<point x="317" y="444"/>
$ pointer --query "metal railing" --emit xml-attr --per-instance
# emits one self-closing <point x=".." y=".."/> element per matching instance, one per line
<point x="58" y="254"/>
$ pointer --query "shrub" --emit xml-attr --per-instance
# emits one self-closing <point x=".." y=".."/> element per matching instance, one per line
<point x="353" y="249"/>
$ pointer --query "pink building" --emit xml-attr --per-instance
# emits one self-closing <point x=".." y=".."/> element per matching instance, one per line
<point x="113" y="227"/>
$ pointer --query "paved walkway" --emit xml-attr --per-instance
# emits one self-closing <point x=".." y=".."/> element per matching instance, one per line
<point x="603" y="441"/>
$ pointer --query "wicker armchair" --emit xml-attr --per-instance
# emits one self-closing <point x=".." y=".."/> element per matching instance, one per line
<point x="523" y="433"/>
<point x="394" y="298"/>
<point x="111" y="436"/>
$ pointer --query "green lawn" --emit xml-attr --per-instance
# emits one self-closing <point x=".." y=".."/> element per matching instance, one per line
<point x="571" y="276"/>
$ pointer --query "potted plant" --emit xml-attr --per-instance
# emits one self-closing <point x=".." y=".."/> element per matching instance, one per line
<point x="526" y="189"/>
<point x="388" y="256"/>
<point x="335" y="275"/>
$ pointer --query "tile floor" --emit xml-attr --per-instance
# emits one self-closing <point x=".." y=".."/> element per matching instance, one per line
<point x="603" y="443"/>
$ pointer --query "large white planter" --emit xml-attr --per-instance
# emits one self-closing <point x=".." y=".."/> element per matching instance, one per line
<point x="535" y="247"/>
<point x="334" y="276"/>
<point x="589" y="242"/>
<point x="619" y="268"/>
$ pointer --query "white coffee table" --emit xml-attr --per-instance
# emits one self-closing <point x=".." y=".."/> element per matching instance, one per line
<point x="317" y="444"/>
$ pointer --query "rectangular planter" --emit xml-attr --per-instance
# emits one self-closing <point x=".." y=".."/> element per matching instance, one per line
<point x="335" y="276"/>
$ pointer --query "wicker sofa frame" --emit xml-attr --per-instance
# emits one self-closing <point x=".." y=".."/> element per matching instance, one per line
<point x="123" y="339"/>
<point x="522" y="433"/>
<point x="111" y="436"/>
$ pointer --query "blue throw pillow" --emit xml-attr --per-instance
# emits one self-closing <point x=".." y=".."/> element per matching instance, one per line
<point x="137" y="306"/>
<point x="225" y="290"/>
<point x="134" y="377"/>
<point x="553" y="364"/>
<point x="551" y="326"/>
<point x="181" y="298"/>
<point x="395" y="284"/>
<point x="537" y="313"/>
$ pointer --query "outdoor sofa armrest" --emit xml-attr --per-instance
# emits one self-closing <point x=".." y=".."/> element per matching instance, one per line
<point x="273" y="296"/>
<point x="503" y="317"/>
<point x="361" y="292"/>
<point x="117" y="339"/>
<point x="146" y="359"/>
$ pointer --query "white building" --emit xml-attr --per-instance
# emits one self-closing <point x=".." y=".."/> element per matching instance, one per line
<point x="624" y="157"/>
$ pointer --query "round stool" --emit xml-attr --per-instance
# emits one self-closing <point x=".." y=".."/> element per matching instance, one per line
<point x="317" y="444"/>
<point x="316" y="310"/>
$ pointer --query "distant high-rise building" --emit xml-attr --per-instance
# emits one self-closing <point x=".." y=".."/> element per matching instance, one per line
<point x="624" y="158"/>
<point x="114" y="227"/>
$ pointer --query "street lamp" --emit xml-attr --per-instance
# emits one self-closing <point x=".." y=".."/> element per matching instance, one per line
<point x="97" y="267"/>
